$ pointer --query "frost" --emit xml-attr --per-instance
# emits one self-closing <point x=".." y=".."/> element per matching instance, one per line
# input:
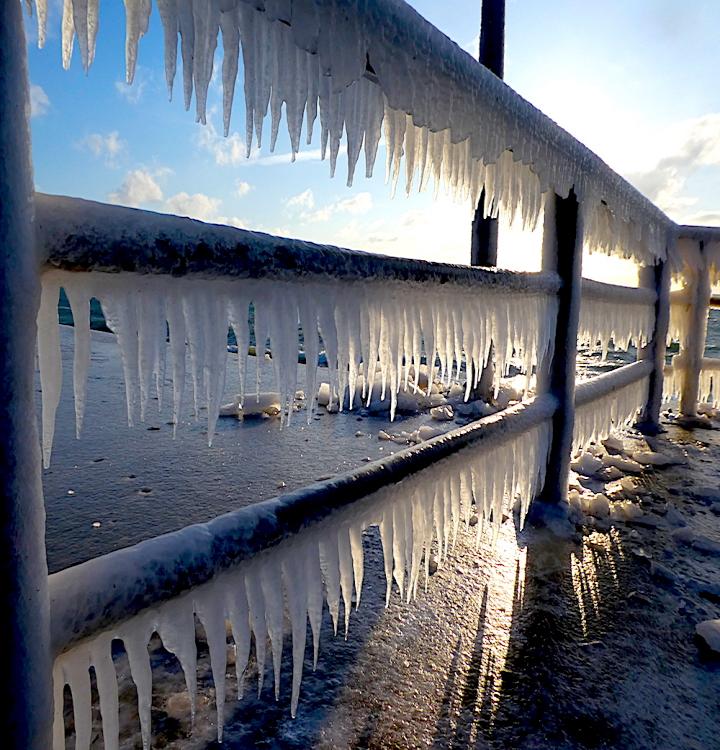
<point x="418" y="518"/>
<point x="375" y="335"/>
<point x="369" y="68"/>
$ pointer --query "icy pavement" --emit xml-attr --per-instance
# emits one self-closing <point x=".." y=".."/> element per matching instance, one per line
<point x="538" y="643"/>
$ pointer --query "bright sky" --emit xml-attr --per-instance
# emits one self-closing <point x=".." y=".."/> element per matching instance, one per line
<point x="637" y="82"/>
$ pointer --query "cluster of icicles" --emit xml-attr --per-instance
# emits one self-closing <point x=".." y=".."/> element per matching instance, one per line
<point x="597" y="419"/>
<point x="448" y="116"/>
<point x="321" y="565"/>
<point x="372" y="333"/>
<point x="708" y="386"/>
<point x="623" y="324"/>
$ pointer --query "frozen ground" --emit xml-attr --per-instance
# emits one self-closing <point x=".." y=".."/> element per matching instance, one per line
<point x="539" y="643"/>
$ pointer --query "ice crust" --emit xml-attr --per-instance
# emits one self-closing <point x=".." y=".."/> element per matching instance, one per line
<point x="596" y="419"/>
<point x="372" y="333"/>
<point x="321" y="565"/>
<point x="365" y="68"/>
<point x="618" y="314"/>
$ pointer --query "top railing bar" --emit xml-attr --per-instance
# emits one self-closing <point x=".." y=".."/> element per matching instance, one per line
<point x="434" y="56"/>
<point x="699" y="233"/>
<point x="598" y="290"/>
<point x="80" y="235"/>
<point x="603" y="385"/>
<point x="108" y="590"/>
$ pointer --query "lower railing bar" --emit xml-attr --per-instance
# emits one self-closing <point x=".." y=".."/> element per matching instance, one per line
<point x="80" y="235"/>
<point x="603" y="385"/>
<point x="108" y="590"/>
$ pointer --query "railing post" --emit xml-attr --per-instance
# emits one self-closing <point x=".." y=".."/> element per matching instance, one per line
<point x="562" y="253"/>
<point x="26" y="666"/>
<point x="697" y="333"/>
<point x="656" y="277"/>
<point x="484" y="236"/>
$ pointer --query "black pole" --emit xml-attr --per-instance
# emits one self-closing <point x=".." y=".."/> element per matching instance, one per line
<point x="492" y="56"/>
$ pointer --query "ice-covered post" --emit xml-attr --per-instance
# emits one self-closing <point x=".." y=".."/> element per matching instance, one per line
<point x="656" y="277"/>
<point x="484" y="243"/>
<point x="562" y="253"/>
<point x="700" y="291"/>
<point x="492" y="55"/>
<point x="26" y="671"/>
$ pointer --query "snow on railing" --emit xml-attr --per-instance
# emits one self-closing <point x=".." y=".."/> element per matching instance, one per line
<point x="609" y="402"/>
<point x="305" y="548"/>
<point x="377" y="317"/>
<point x="364" y="66"/>
<point x="624" y="315"/>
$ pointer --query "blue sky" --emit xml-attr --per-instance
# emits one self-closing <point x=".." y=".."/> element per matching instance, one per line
<point x="637" y="82"/>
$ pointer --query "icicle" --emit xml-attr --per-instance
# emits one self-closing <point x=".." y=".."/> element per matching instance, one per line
<point x="256" y="606"/>
<point x="271" y="581"/>
<point x="107" y="687"/>
<point x="136" y="636"/>
<point x="239" y="616"/>
<point x="294" y="571"/>
<point x="137" y="18"/>
<point x="176" y="628"/>
<point x="210" y="610"/>
<point x="50" y="360"/>
<point x="169" y="16"/>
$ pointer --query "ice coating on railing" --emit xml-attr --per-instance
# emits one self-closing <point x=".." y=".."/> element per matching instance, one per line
<point x="596" y="419"/>
<point x="372" y="333"/>
<point x="322" y="564"/>
<point x="624" y="315"/>
<point x="360" y="64"/>
<point x="709" y="382"/>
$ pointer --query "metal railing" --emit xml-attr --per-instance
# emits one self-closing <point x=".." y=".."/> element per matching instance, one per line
<point x="76" y="236"/>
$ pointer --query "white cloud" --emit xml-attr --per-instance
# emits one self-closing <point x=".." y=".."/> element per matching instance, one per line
<point x="306" y="199"/>
<point x="242" y="188"/>
<point x="231" y="151"/>
<point x="133" y="93"/>
<point x="196" y="206"/>
<point x="138" y="188"/>
<point x="39" y="101"/>
<point x="108" y="146"/>
<point x="357" y="205"/>
<point x="142" y="189"/>
<point x="689" y="147"/>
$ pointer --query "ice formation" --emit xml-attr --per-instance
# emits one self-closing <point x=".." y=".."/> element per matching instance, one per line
<point x="709" y="383"/>
<point x="364" y="67"/>
<point x="596" y="419"/>
<point x="323" y="564"/>
<point x="680" y="317"/>
<point x="623" y="315"/>
<point x="372" y="333"/>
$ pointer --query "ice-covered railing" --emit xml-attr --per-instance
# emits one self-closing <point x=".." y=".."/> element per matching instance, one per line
<point x="609" y="401"/>
<point x="368" y="67"/>
<point x="696" y="270"/>
<point x="304" y="549"/>
<point x="620" y="314"/>
<point x="378" y="317"/>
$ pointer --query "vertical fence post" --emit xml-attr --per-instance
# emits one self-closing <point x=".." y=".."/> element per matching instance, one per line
<point x="484" y="236"/>
<point x="562" y="253"/>
<point x="656" y="277"/>
<point x="25" y="662"/>
<point x="697" y="333"/>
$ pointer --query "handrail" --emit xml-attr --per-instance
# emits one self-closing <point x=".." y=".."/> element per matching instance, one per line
<point x="599" y="291"/>
<point x="107" y="590"/>
<point x="603" y="385"/>
<point x="80" y="235"/>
